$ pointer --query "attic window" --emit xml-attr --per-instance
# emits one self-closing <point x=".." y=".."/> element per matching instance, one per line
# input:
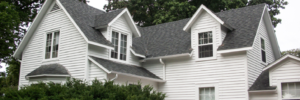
<point x="205" y="44"/>
<point x="55" y="7"/>
<point x="263" y="50"/>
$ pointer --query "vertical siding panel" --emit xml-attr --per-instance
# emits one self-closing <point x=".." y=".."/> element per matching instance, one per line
<point x="72" y="47"/>
<point x="255" y="64"/>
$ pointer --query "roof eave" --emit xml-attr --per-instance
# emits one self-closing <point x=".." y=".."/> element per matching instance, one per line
<point x="47" y="75"/>
<point x="234" y="50"/>
<point x="141" y="77"/>
<point x="280" y="60"/>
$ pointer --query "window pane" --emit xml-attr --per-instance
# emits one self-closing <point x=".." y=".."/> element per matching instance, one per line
<point x="115" y="41"/>
<point x="263" y="55"/>
<point x="205" y="51"/>
<point x="210" y="37"/>
<point x="55" y="45"/>
<point x="262" y="44"/>
<point x="48" y="46"/>
<point x="290" y="90"/>
<point x="207" y="93"/>
<point x="123" y="47"/>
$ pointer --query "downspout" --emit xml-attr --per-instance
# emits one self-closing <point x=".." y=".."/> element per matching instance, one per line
<point x="114" y="78"/>
<point x="164" y="68"/>
<point x="191" y="54"/>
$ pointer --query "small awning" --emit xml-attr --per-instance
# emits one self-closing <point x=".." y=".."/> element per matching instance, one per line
<point x="54" y="70"/>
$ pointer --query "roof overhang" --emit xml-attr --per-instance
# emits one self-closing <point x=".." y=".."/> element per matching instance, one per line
<point x="167" y="57"/>
<point x="280" y="60"/>
<point x="201" y="9"/>
<point x="263" y="91"/>
<point x="130" y="21"/>
<point x="47" y="75"/>
<point x="100" y="45"/>
<point x="234" y="50"/>
<point x="136" y="54"/>
<point x="141" y="77"/>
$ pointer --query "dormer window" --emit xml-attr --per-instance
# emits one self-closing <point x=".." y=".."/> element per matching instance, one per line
<point x="119" y="41"/>
<point x="205" y="44"/>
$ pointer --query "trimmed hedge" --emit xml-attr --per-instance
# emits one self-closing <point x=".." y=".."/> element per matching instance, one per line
<point x="75" y="89"/>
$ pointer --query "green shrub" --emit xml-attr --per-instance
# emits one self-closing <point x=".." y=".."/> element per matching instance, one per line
<point x="75" y="89"/>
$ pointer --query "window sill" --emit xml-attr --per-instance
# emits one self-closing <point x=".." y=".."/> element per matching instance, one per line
<point x="206" y="59"/>
<point x="50" y="60"/>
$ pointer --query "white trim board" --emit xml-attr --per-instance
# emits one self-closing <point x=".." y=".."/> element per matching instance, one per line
<point x="280" y="60"/>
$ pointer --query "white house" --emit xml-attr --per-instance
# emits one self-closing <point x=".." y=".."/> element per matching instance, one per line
<point x="229" y="55"/>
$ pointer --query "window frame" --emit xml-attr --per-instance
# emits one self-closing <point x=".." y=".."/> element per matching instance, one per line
<point x="120" y="32"/>
<point x="196" y="43"/>
<point x="279" y="87"/>
<point x="45" y="42"/>
<point x="263" y="49"/>
<point x="215" y="86"/>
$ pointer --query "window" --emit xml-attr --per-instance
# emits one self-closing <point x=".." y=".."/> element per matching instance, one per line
<point x="290" y="90"/>
<point x="120" y="47"/>
<point x="205" y="44"/>
<point x="207" y="93"/>
<point x="52" y="42"/>
<point x="263" y="51"/>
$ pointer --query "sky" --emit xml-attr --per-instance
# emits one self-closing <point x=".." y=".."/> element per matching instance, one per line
<point x="287" y="32"/>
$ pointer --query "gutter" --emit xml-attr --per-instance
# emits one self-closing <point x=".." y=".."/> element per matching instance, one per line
<point x="164" y="57"/>
<point x="263" y="91"/>
<point x="142" y="77"/>
<point x="164" y="68"/>
<point x="114" y="77"/>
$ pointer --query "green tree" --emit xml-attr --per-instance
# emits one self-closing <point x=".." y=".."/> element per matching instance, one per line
<point x="9" y="21"/>
<point x="274" y="7"/>
<point x="294" y="52"/>
<point x="152" y="12"/>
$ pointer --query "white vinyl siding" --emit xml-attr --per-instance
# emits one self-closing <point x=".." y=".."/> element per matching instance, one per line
<point x="72" y="50"/>
<point x="95" y="72"/>
<point x="286" y="71"/>
<point x="98" y="52"/>
<point x="263" y="96"/>
<point x="155" y="67"/>
<point x="255" y="64"/>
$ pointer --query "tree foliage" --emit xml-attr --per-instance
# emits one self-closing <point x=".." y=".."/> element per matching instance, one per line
<point x="294" y="52"/>
<point x="152" y="12"/>
<point x="75" y="89"/>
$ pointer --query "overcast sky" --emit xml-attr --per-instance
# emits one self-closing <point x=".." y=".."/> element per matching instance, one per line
<point x="287" y="32"/>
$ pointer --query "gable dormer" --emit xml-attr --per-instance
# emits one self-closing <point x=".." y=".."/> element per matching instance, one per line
<point x="207" y="33"/>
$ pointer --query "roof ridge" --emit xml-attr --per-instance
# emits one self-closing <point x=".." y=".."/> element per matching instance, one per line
<point x="165" y="23"/>
<point x="240" y="8"/>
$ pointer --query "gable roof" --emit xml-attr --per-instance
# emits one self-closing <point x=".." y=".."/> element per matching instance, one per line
<point x="49" y="70"/>
<point x="169" y="38"/>
<point x="104" y="19"/>
<point x="281" y="60"/>
<point x="84" y="16"/>
<point x="115" y="67"/>
<point x="245" y="22"/>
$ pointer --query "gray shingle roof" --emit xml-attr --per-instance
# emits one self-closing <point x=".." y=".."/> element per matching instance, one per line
<point x="49" y="69"/>
<point x="123" y="68"/>
<point x="105" y="18"/>
<point x="84" y="16"/>
<point x="163" y="39"/>
<point x="169" y="38"/>
<point x="262" y="82"/>
<point x="245" y="22"/>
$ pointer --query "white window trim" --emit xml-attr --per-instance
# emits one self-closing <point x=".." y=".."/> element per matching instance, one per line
<point x="119" y="41"/>
<point x="261" y="60"/>
<point x="44" y="45"/>
<point x="279" y="90"/>
<point x="201" y="30"/>
<point x="216" y="86"/>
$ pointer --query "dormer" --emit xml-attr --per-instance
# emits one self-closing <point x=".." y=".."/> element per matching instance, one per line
<point x="207" y="33"/>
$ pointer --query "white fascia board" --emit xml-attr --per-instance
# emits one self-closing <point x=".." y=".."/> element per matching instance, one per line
<point x="280" y="60"/>
<point x="169" y="56"/>
<point x="198" y="12"/>
<point x="92" y="60"/>
<point x="131" y="21"/>
<point x="38" y="18"/>
<point x="136" y="54"/>
<point x="100" y="45"/>
<point x="263" y="91"/>
<point x="142" y="77"/>
<point x="52" y="75"/>
<point x="234" y="50"/>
